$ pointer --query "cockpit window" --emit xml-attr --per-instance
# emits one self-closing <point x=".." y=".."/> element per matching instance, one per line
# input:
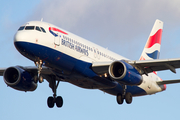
<point x="43" y="30"/>
<point x="29" y="28"/>
<point x="21" y="28"/>
<point x="37" y="28"/>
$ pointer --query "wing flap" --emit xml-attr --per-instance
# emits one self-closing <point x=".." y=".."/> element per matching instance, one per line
<point x="100" y="67"/>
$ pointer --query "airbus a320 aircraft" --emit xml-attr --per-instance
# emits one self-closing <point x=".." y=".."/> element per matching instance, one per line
<point x="62" y="56"/>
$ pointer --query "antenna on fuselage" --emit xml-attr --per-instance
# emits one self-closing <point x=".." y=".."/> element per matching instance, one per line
<point x="41" y="19"/>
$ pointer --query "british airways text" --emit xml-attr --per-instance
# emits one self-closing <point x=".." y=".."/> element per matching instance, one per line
<point x="74" y="47"/>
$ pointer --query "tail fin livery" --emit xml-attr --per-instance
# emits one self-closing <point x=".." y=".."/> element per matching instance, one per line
<point x="153" y="44"/>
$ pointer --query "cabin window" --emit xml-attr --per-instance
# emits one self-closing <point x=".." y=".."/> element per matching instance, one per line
<point x="91" y="49"/>
<point x="94" y="51"/>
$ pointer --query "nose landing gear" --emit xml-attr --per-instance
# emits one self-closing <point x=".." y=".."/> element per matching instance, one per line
<point x="39" y="77"/>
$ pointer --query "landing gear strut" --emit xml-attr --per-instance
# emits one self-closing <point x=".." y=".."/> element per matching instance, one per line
<point x="39" y="76"/>
<point x="52" y="100"/>
<point x="53" y="84"/>
<point x="127" y="96"/>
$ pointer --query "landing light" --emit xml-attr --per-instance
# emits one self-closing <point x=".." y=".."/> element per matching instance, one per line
<point x="105" y="75"/>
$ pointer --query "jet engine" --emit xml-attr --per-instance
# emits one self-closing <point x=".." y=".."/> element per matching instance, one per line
<point x="124" y="73"/>
<point x="19" y="79"/>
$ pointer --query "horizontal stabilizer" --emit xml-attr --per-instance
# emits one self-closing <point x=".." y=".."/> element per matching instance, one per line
<point x="168" y="82"/>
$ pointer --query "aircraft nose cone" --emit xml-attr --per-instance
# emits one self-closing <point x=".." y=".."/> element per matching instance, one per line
<point x="18" y="37"/>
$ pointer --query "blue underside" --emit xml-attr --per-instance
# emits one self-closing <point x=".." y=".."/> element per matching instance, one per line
<point x="60" y="61"/>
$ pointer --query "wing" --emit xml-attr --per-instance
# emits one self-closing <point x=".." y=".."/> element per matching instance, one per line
<point x="100" y="67"/>
<point x="2" y="71"/>
<point x="149" y="66"/>
<point x="32" y="69"/>
<point x="144" y="66"/>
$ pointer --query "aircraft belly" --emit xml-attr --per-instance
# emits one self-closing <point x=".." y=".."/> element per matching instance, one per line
<point x="86" y="83"/>
<point x="134" y="90"/>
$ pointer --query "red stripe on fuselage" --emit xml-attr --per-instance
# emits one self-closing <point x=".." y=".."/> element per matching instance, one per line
<point x="156" y="38"/>
<point x="55" y="29"/>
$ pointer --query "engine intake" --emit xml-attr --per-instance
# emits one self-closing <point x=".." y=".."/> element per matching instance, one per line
<point x="124" y="73"/>
<point x="19" y="79"/>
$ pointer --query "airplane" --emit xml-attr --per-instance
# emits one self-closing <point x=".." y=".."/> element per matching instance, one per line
<point x="61" y="56"/>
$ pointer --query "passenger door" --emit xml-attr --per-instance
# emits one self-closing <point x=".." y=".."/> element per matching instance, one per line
<point x="57" y="39"/>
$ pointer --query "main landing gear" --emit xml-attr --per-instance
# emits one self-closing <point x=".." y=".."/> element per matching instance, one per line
<point x="54" y="100"/>
<point x="127" y="96"/>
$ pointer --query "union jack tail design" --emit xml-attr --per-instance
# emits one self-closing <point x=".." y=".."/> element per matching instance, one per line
<point x="152" y="47"/>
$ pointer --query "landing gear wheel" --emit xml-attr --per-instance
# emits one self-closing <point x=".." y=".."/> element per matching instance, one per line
<point x="128" y="98"/>
<point x="53" y="84"/>
<point x="50" y="102"/>
<point x="35" y="79"/>
<point x="59" y="101"/>
<point x="41" y="79"/>
<point x="119" y="99"/>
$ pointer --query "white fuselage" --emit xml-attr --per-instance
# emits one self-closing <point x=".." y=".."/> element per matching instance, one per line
<point x="77" y="48"/>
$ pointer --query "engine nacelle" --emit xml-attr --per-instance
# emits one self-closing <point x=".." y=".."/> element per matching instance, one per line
<point x="124" y="73"/>
<point x="19" y="79"/>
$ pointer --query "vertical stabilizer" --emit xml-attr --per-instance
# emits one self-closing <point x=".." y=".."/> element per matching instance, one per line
<point x="153" y="44"/>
